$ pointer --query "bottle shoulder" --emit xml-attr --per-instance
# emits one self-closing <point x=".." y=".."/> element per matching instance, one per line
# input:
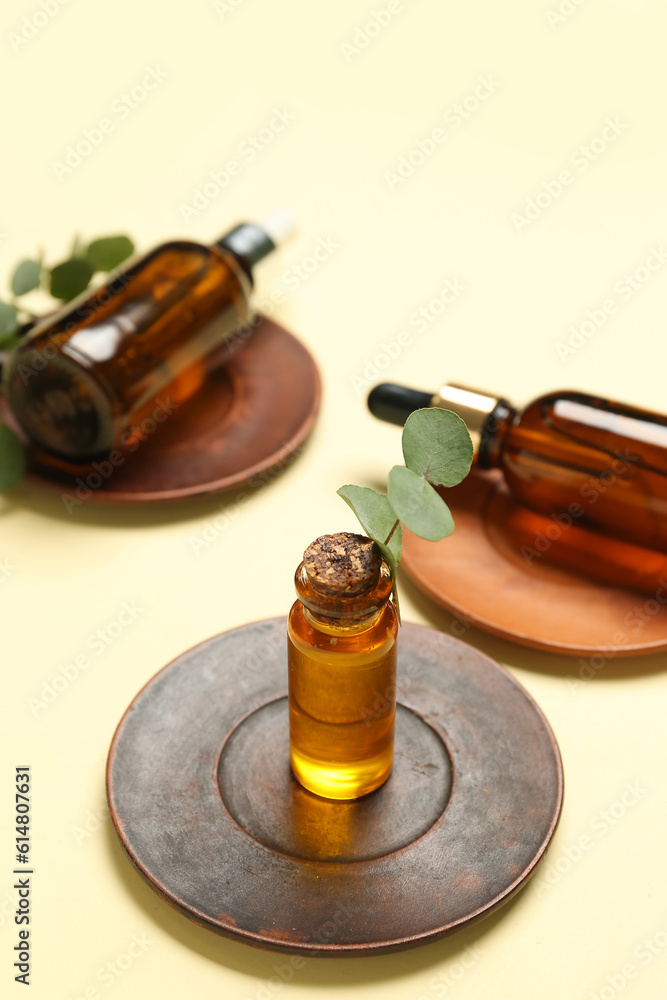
<point x="537" y="410"/>
<point x="569" y="409"/>
<point x="184" y="250"/>
<point x="181" y="245"/>
<point x="376" y="637"/>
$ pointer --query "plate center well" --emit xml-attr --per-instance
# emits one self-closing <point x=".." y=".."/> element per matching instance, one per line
<point x="260" y="792"/>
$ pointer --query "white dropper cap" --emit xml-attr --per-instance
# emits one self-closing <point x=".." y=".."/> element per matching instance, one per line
<point x="251" y="242"/>
<point x="279" y="225"/>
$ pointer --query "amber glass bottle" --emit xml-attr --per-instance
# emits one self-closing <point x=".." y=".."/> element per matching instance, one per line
<point x="342" y="668"/>
<point x="567" y="455"/>
<point x="81" y="382"/>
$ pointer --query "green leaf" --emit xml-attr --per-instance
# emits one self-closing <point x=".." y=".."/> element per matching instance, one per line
<point x="376" y="515"/>
<point x="26" y="277"/>
<point x="437" y="446"/>
<point x="418" y="505"/>
<point x="377" y="518"/>
<point x="8" y="319"/>
<point x="8" y="341"/>
<point x="12" y="458"/>
<point x="70" y="278"/>
<point x="109" y="252"/>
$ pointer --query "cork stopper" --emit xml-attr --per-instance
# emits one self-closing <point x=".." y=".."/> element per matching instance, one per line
<point x="343" y="564"/>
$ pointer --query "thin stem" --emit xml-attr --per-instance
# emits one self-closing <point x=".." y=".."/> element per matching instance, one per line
<point x="386" y="541"/>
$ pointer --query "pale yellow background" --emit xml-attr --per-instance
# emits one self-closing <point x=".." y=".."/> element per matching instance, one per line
<point x="355" y="113"/>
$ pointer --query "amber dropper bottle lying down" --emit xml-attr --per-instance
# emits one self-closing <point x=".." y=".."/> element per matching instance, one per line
<point x="598" y="468"/>
<point x="81" y="381"/>
<point x="342" y="668"/>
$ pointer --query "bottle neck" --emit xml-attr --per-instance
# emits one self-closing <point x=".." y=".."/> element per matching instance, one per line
<point x="487" y="418"/>
<point x="347" y="614"/>
<point x="341" y="626"/>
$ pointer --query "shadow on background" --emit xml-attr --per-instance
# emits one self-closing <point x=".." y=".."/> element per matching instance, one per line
<point x="145" y="514"/>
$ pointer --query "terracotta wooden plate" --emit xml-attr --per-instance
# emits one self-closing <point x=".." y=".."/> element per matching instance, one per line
<point x="480" y="575"/>
<point x="250" y="415"/>
<point x="203" y="800"/>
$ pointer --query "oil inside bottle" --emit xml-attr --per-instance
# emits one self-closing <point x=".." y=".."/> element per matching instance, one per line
<point x="342" y="690"/>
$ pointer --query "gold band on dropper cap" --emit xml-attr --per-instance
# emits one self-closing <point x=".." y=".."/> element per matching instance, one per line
<point x="471" y="405"/>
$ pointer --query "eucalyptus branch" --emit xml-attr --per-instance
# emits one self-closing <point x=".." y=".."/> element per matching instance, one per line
<point x="438" y="452"/>
<point x="63" y="282"/>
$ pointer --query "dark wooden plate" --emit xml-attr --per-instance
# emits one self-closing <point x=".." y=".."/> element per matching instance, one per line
<point x="250" y="415"/>
<point x="204" y="803"/>
<point x="479" y="574"/>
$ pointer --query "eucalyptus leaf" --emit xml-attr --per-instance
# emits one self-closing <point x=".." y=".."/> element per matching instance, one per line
<point x="376" y="515"/>
<point x="70" y="278"/>
<point x="110" y="251"/>
<point x="12" y="458"/>
<point x="26" y="277"/>
<point x="378" y="519"/>
<point x="8" y="319"/>
<point x="437" y="446"/>
<point x="419" y="507"/>
<point x="8" y="341"/>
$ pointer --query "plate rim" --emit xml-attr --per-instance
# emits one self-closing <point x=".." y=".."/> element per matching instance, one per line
<point x="100" y="496"/>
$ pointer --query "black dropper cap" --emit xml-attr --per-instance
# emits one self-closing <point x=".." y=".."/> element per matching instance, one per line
<point x="395" y="403"/>
<point x="251" y="242"/>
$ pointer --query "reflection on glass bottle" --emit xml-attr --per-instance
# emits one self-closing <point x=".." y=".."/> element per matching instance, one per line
<point x="81" y="382"/>
<point x="342" y="668"/>
<point x="530" y="540"/>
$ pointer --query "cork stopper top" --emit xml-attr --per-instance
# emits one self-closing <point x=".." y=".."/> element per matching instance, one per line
<point x="342" y="564"/>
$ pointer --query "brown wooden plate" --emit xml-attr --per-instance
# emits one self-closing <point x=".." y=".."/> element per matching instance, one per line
<point x="480" y="575"/>
<point x="250" y="415"/>
<point x="203" y="800"/>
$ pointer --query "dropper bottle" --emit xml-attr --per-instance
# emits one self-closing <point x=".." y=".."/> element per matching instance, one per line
<point x="599" y="463"/>
<point x="80" y="383"/>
